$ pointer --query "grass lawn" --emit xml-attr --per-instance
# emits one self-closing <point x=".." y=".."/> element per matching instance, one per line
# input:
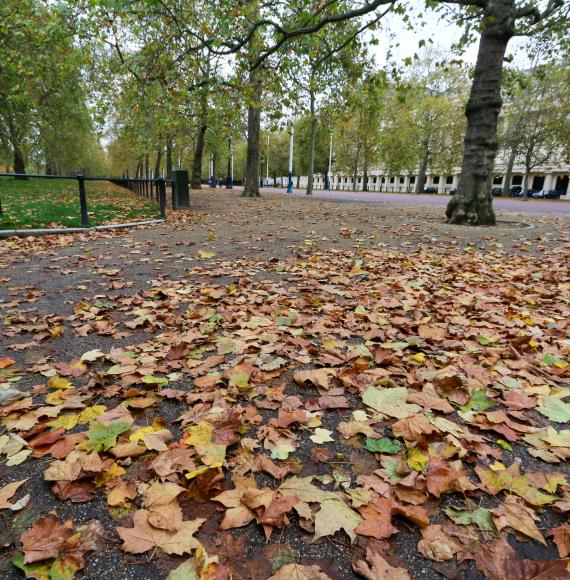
<point x="41" y="203"/>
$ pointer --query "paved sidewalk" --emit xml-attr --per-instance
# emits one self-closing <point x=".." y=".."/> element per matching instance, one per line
<point x="534" y="206"/>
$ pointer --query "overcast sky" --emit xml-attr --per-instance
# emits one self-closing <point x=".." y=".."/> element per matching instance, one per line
<point x="439" y="29"/>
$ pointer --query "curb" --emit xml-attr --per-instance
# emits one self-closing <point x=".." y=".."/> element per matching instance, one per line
<point x="48" y="231"/>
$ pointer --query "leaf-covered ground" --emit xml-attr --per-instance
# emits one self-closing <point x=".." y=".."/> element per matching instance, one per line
<point x="289" y="389"/>
<point x="51" y="203"/>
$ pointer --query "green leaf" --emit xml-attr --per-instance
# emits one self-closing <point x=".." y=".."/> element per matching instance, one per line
<point x="104" y="437"/>
<point x="478" y="402"/>
<point x="481" y="517"/>
<point x="555" y="409"/>
<point x="383" y="445"/>
<point x="502" y="443"/>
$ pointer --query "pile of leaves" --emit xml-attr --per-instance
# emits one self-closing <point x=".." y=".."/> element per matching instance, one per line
<point x="337" y="399"/>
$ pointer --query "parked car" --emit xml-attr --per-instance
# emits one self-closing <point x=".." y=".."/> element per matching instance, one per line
<point x="515" y="191"/>
<point x="430" y="189"/>
<point x="547" y="194"/>
<point x="453" y="191"/>
<point x="498" y="191"/>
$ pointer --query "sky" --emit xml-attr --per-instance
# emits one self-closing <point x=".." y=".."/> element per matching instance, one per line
<point x="439" y="29"/>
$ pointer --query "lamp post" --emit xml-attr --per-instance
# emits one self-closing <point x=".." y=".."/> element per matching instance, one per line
<point x="290" y="182"/>
<point x="267" y="164"/>
<point x="229" y="177"/>
<point x="329" y="174"/>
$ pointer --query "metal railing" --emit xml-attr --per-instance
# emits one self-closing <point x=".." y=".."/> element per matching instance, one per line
<point x="149" y="188"/>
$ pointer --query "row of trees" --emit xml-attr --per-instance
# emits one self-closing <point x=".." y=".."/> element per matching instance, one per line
<point x="178" y="79"/>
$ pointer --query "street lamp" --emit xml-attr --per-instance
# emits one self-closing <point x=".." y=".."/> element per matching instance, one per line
<point x="290" y="182"/>
<point x="329" y="174"/>
<point x="267" y="164"/>
<point x="230" y="175"/>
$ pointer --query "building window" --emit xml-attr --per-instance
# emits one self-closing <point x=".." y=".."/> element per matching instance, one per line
<point x="374" y="180"/>
<point x="360" y="180"/>
<point x="401" y="179"/>
<point x="449" y="180"/>
<point x="517" y="180"/>
<point x="497" y="180"/>
<point x="383" y="180"/>
<point x="391" y="179"/>
<point x="346" y="179"/>
<point x="436" y="179"/>
<point x="413" y="179"/>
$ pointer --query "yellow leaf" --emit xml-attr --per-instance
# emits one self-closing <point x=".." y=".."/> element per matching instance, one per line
<point x="113" y="472"/>
<point x="91" y="413"/>
<point x="65" y="421"/>
<point x="420" y="357"/>
<point x="203" y="469"/>
<point x="417" y="460"/>
<point x="497" y="466"/>
<point x="57" y="382"/>
<point x="54" y="398"/>
<point x="533" y="343"/>
<point x="200" y="434"/>
<point x="139" y="434"/>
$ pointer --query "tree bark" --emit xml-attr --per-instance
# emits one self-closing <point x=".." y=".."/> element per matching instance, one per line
<point x="146" y="166"/>
<point x="196" y="179"/>
<point x="422" y="170"/>
<point x="169" y="158"/>
<point x="157" y="163"/>
<point x="312" y="141"/>
<point x="251" y="188"/>
<point x="473" y="201"/>
<point x="19" y="162"/>
<point x="509" y="173"/>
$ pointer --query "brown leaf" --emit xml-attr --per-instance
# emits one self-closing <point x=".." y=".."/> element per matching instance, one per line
<point x="7" y="492"/>
<point x="74" y="491"/>
<point x="377" y="519"/>
<point x="515" y="514"/>
<point x="45" y="538"/>
<point x="493" y="557"/>
<point x="561" y="536"/>
<point x="437" y="545"/>
<point x="317" y="377"/>
<point x="143" y="537"/>
<point x="299" y="572"/>
<point x="377" y="568"/>
<point x="413" y="428"/>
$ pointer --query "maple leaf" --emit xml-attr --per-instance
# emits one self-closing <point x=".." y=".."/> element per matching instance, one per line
<point x="104" y="437"/>
<point x="375" y="567"/>
<point x="143" y="537"/>
<point x="318" y="377"/>
<point x="7" y="492"/>
<point x="321" y="436"/>
<point x="413" y="428"/>
<point x="437" y="545"/>
<point x="302" y="488"/>
<point x="513" y="513"/>
<point x="333" y="516"/>
<point x="45" y="538"/>
<point x="390" y="402"/>
<point x="561" y="536"/>
<point x="299" y="572"/>
<point x="377" y="521"/>
<point x="555" y="409"/>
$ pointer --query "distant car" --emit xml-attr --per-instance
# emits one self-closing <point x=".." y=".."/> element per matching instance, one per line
<point x="515" y="191"/>
<point x="498" y="191"/>
<point x="547" y="194"/>
<point x="430" y="189"/>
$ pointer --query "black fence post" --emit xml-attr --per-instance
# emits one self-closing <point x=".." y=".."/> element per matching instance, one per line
<point x="162" y="195"/>
<point x="83" y="202"/>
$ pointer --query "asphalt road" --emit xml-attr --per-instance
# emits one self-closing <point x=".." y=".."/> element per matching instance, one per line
<point x="512" y="204"/>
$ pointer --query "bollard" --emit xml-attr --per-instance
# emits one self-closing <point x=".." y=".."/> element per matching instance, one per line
<point x="161" y="188"/>
<point x="181" y="188"/>
<point x="83" y="202"/>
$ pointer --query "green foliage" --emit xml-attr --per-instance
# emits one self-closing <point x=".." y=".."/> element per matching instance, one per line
<point x="104" y="437"/>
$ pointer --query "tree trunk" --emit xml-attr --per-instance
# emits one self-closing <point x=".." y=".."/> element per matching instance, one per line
<point x="525" y="184"/>
<point x="422" y="171"/>
<point x="355" y="168"/>
<point x="146" y="166"/>
<point x="312" y="141"/>
<point x="19" y="162"/>
<point x="196" y="180"/>
<point x="473" y="201"/>
<point x="251" y="176"/>
<point x="509" y="173"/>
<point x="365" y="176"/>
<point x="157" y="163"/>
<point x="215" y="169"/>
<point x="169" y="158"/>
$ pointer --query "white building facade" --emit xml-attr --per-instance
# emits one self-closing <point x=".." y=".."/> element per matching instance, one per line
<point x="555" y="177"/>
